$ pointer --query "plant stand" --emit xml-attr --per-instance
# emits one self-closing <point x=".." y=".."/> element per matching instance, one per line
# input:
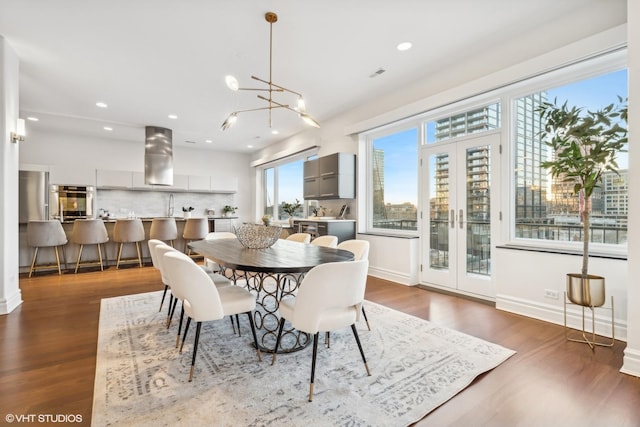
<point x="587" y="292"/>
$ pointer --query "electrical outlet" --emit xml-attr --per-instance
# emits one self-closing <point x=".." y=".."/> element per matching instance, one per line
<point x="551" y="294"/>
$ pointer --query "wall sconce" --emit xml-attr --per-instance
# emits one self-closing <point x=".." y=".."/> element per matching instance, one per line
<point x="19" y="134"/>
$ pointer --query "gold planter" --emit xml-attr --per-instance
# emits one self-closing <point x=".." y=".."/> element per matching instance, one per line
<point x="585" y="291"/>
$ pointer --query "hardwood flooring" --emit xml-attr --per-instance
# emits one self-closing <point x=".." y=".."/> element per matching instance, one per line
<point x="48" y="354"/>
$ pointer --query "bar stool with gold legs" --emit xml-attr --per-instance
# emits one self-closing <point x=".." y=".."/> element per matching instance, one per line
<point x="128" y="230"/>
<point x="89" y="232"/>
<point x="46" y="234"/>
<point x="194" y="229"/>
<point x="164" y="229"/>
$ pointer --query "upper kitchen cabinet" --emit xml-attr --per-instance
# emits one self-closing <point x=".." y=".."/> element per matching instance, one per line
<point x="199" y="183"/>
<point x="113" y="179"/>
<point x="330" y="177"/>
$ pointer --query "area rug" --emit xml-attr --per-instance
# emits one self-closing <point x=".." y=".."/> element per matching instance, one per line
<point x="142" y="380"/>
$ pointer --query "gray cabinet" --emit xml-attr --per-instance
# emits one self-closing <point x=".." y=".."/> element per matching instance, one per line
<point x="330" y="177"/>
<point x="343" y="230"/>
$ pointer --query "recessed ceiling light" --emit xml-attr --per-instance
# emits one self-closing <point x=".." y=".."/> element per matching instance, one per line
<point x="274" y="132"/>
<point x="172" y="116"/>
<point x="249" y="146"/>
<point x="33" y="119"/>
<point x="404" y="46"/>
<point x="208" y="141"/>
<point x="101" y="105"/>
<point x="107" y="128"/>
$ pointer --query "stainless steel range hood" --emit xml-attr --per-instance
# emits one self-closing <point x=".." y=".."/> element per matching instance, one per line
<point x="158" y="156"/>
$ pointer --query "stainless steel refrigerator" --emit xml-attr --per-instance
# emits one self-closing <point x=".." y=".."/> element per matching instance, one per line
<point x="33" y="196"/>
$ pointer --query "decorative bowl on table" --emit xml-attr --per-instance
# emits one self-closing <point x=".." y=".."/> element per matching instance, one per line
<point x="258" y="236"/>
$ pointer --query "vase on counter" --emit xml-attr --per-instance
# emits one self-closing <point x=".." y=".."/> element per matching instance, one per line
<point x="187" y="215"/>
<point x="290" y="220"/>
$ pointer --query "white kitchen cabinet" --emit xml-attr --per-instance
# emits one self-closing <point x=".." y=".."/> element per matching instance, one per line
<point x="224" y="184"/>
<point x="199" y="183"/>
<point x="114" y="179"/>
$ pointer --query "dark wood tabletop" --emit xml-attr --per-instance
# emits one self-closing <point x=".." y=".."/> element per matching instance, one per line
<point x="283" y="257"/>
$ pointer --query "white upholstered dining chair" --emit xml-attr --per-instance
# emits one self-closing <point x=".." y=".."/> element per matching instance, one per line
<point x="152" y="243"/>
<point x="360" y="250"/>
<point x="300" y="237"/>
<point x="327" y="241"/>
<point x="329" y="298"/>
<point x="202" y="301"/>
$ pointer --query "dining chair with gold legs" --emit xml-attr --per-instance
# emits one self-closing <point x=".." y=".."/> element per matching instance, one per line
<point x="329" y="298"/>
<point x="202" y="301"/>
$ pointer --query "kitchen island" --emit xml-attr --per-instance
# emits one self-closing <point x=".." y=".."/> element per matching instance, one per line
<point x="216" y="223"/>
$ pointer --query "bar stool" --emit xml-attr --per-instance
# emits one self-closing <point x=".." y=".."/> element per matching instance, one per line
<point x="194" y="229"/>
<point x="128" y="230"/>
<point x="164" y="229"/>
<point x="46" y="234"/>
<point x="89" y="232"/>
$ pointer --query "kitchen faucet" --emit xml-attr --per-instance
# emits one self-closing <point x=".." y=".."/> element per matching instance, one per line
<point x="170" y="211"/>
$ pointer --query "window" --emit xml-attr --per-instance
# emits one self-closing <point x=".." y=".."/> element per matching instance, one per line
<point x="546" y="208"/>
<point x="283" y="183"/>
<point x="473" y="121"/>
<point x="394" y="180"/>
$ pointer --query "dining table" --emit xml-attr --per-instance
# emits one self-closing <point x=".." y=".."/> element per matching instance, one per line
<point x="272" y="274"/>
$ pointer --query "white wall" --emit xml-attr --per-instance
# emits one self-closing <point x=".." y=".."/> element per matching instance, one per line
<point x="631" y="363"/>
<point x="10" y="295"/>
<point x="73" y="159"/>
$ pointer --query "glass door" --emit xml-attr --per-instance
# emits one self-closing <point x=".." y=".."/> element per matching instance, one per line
<point x="457" y="250"/>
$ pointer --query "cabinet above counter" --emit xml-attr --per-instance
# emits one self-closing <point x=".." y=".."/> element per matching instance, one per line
<point x="129" y="180"/>
<point x="330" y="177"/>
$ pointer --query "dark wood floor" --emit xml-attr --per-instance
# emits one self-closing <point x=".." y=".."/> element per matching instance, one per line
<point x="48" y="355"/>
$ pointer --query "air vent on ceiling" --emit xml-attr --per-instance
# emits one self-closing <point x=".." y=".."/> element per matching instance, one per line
<point x="377" y="72"/>
<point x="190" y="142"/>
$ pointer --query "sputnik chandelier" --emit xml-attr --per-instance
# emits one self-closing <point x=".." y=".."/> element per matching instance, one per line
<point x="232" y="83"/>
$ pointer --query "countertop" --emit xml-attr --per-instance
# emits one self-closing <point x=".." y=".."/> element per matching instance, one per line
<point x="311" y="219"/>
<point x="150" y="218"/>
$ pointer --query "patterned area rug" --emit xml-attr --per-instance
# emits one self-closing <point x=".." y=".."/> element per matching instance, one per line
<point x="142" y="380"/>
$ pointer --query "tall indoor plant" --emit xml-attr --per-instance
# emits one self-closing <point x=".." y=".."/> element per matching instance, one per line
<point x="584" y="145"/>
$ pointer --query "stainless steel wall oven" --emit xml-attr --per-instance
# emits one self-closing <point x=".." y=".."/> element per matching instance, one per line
<point x="71" y="201"/>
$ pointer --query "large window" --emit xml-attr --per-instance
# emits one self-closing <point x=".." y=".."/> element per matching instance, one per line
<point x="394" y="180"/>
<point x="283" y="183"/>
<point x="546" y="208"/>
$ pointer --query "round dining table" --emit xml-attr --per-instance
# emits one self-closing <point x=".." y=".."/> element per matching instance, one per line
<point x="271" y="274"/>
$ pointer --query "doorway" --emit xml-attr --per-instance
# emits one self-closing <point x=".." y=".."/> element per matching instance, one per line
<point x="460" y="185"/>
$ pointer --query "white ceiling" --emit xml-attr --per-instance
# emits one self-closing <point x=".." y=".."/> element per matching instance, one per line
<point x="150" y="58"/>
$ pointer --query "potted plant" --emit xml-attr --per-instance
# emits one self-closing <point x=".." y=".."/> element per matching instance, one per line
<point x="291" y="209"/>
<point x="229" y="210"/>
<point x="584" y="146"/>
<point x="186" y="210"/>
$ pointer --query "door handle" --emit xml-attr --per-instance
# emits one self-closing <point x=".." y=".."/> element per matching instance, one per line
<point x="453" y="218"/>
<point x="461" y="219"/>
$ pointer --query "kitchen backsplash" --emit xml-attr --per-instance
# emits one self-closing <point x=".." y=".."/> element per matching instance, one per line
<point x="122" y="203"/>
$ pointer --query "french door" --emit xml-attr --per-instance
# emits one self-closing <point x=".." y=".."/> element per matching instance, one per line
<point x="456" y="248"/>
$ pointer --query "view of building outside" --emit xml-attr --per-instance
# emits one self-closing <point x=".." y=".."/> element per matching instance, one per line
<point x="395" y="181"/>
<point x="283" y="184"/>
<point x="546" y="208"/>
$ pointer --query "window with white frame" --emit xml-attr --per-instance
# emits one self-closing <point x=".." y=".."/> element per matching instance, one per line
<point x="283" y="183"/>
<point x="545" y="208"/>
<point x="393" y="179"/>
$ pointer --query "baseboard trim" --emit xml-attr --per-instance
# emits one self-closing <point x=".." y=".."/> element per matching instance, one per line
<point x="390" y="275"/>
<point x="555" y="314"/>
<point x="631" y="362"/>
<point x="10" y="304"/>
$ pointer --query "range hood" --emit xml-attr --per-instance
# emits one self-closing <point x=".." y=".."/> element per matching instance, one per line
<point x="158" y="156"/>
